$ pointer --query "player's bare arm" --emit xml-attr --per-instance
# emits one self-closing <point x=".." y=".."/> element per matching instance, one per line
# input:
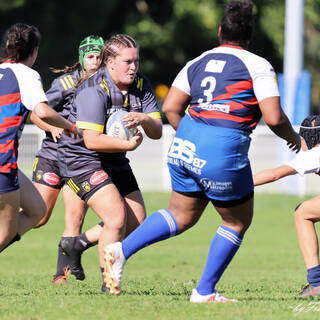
<point x="174" y="106"/>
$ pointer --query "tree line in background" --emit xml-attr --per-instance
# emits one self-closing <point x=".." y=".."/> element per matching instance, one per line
<point x="169" y="32"/>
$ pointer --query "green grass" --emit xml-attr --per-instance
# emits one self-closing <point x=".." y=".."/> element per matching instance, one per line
<point x="265" y="276"/>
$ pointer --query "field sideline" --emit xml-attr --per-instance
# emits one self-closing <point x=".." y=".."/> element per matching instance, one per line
<point x="265" y="276"/>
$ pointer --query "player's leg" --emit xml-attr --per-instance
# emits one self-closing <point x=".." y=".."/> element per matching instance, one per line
<point x="183" y="212"/>
<point x="75" y="210"/>
<point x="49" y="195"/>
<point x="9" y="204"/>
<point x="32" y="205"/>
<point x="225" y="244"/>
<point x="69" y="250"/>
<point x="126" y="183"/>
<point x="306" y="215"/>
<point x="136" y="213"/>
<point x="108" y="204"/>
<point x="46" y="178"/>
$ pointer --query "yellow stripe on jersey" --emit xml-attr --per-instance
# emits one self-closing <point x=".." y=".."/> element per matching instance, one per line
<point x="71" y="81"/>
<point x="73" y="186"/>
<point x="90" y="126"/>
<point x="63" y="84"/>
<point x="155" y="115"/>
<point x="126" y="102"/>
<point x="69" y="84"/>
<point x="103" y="85"/>
<point x="139" y="83"/>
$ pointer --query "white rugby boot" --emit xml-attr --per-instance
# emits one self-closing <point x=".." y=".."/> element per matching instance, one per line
<point x="213" y="297"/>
<point x="115" y="261"/>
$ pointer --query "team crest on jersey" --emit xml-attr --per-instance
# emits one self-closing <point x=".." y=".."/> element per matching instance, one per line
<point x="98" y="177"/>
<point x="51" y="178"/>
<point x="86" y="186"/>
<point x="39" y="175"/>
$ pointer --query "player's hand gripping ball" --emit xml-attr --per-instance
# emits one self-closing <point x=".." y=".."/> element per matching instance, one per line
<point x="116" y="127"/>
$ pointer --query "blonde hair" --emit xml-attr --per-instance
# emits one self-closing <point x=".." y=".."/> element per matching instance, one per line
<point x="67" y="69"/>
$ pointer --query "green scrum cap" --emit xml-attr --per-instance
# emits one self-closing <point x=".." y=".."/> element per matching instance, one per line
<point x="88" y="45"/>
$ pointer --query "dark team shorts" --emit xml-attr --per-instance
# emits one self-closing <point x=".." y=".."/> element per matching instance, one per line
<point x="85" y="185"/>
<point x="46" y="172"/>
<point x="8" y="182"/>
<point x="210" y="161"/>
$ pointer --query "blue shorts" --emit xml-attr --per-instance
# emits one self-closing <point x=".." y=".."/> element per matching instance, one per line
<point x="213" y="160"/>
<point x="8" y="182"/>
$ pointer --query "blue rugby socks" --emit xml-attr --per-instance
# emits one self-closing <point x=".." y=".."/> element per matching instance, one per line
<point x="223" y="247"/>
<point x="313" y="276"/>
<point x="160" y="225"/>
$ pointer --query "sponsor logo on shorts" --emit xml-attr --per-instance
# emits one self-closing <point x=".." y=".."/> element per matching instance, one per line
<point x="86" y="186"/>
<point x="51" y="178"/>
<point x="185" y="151"/>
<point x="98" y="177"/>
<point x="39" y="175"/>
<point x="217" y="186"/>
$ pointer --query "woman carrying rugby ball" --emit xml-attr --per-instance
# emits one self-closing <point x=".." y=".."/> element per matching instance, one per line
<point x="97" y="167"/>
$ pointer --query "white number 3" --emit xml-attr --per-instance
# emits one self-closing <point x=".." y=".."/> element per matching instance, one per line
<point x="208" y="92"/>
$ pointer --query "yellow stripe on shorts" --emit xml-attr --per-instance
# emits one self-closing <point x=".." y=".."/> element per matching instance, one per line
<point x="73" y="186"/>
<point x="35" y="163"/>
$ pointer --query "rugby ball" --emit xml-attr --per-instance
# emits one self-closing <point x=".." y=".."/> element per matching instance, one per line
<point x="116" y="127"/>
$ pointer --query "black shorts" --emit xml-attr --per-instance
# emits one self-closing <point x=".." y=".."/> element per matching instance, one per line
<point x="218" y="203"/>
<point x="87" y="184"/>
<point x="46" y="172"/>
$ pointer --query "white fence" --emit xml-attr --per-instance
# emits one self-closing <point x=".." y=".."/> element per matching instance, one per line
<point x="149" y="160"/>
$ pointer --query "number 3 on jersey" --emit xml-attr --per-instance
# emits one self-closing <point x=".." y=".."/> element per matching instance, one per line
<point x="211" y="81"/>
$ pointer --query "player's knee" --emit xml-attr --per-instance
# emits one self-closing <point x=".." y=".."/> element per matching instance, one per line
<point x="114" y="224"/>
<point x="42" y="222"/>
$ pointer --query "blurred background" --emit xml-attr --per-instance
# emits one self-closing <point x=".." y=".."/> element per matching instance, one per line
<point x="169" y="32"/>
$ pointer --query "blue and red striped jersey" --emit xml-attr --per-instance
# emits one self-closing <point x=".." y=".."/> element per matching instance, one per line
<point x="225" y="85"/>
<point x="16" y="84"/>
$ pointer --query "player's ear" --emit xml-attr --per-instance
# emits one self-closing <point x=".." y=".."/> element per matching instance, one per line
<point x="110" y="62"/>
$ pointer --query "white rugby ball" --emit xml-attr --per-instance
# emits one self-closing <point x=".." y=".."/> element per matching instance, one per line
<point x="116" y="127"/>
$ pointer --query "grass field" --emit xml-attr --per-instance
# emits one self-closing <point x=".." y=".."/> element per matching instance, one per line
<point x="265" y="276"/>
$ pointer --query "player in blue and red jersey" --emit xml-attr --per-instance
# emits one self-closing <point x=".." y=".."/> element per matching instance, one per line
<point x="20" y="92"/>
<point x="228" y="89"/>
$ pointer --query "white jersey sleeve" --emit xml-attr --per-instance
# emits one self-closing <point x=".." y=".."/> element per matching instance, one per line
<point x="264" y="79"/>
<point x="265" y="84"/>
<point x="30" y="85"/>
<point x="181" y="81"/>
<point x="306" y="161"/>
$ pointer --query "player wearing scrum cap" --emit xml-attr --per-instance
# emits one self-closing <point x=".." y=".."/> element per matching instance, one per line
<point x="307" y="213"/>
